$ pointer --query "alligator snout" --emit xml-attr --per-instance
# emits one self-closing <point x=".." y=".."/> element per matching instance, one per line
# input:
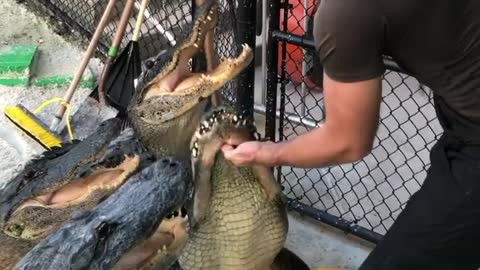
<point x="169" y="163"/>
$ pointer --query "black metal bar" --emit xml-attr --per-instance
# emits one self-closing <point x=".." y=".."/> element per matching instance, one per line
<point x="273" y="18"/>
<point x="294" y="39"/>
<point x="283" y="75"/>
<point x="334" y="221"/>
<point x="246" y="34"/>
<point x="308" y="43"/>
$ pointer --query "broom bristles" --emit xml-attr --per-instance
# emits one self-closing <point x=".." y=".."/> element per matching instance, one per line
<point x="29" y="124"/>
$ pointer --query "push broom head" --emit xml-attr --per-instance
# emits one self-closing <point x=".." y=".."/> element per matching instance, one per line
<point x="29" y="124"/>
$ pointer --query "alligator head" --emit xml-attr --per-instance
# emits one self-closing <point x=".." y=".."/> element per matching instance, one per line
<point x="237" y="216"/>
<point x="43" y="196"/>
<point x="170" y="98"/>
<point x="104" y="237"/>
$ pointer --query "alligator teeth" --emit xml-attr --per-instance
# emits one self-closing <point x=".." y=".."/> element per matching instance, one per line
<point x="164" y="247"/>
<point x="195" y="45"/>
<point x="209" y="18"/>
<point x="204" y="77"/>
<point x="194" y="152"/>
<point x="205" y="124"/>
<point x="235" y="119"/>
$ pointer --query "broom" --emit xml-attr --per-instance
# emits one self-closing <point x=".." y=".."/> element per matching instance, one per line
<point x="31" y="125"/>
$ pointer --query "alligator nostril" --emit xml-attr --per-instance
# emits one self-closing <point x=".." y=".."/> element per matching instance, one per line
<point x="165" y="161"/>
<point x="173" y="164"/>
<point x="183" y="212"/>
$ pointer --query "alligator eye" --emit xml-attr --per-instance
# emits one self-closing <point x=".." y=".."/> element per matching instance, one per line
<point x="149" y="64"/>
<point x="29" y="174"/>
<point x="104" y="230"/>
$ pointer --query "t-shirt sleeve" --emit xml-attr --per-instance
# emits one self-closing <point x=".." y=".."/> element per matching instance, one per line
<point x="349" y="38"/>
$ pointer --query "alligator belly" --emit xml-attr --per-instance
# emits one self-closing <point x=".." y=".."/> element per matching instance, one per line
<point x="242" y="229"/>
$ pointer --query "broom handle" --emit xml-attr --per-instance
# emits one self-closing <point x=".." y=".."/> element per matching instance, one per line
<point x="138" y="26"/>
<point x="83" y="65"/>
<point x="121" y="28"/>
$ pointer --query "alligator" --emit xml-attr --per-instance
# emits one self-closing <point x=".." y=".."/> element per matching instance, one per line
<point x="170" y="98"/>
<point x="238" y="218"/>
<point x="76" y="176"/>
<point x="124" y="230"/>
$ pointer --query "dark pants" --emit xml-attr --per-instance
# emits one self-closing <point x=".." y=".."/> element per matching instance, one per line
<point x="439" y="228"/>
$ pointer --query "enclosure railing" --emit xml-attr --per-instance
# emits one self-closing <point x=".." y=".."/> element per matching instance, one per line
<point x="363" y="198"/>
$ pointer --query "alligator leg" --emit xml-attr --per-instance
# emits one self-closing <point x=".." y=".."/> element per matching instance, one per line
<point x="267" y="180"/>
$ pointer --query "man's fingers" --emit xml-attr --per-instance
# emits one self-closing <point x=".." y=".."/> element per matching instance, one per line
<point x="227" y="150"/>
<point x="233" y="140"/>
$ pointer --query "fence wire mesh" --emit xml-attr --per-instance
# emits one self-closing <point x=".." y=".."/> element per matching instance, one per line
<point x="165" y="24"/>
<point x="372" y="192"/>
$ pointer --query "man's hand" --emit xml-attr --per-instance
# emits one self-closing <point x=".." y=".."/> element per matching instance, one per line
<point x="242" y="155"/>
<point x="250" y="153"/>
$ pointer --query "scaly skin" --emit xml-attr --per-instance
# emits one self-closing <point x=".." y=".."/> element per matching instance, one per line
<point x="98" y="238"/>
<point x="170" y="99"/>
<point x="12" y="250"/>
<point x="43" y="197"/>
<point x="238" y="218"/>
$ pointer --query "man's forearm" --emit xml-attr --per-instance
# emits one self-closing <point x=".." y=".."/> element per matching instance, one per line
<point x="317" y="148"/>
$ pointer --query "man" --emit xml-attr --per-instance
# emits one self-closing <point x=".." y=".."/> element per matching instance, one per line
<point x="438" y="41"/>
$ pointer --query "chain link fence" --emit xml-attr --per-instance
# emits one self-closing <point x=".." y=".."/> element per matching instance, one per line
<point x="166" y="23"/>
<point x="367" y="195"/>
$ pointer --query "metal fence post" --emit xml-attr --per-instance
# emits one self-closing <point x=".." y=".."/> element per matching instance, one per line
<point x="246" y="34"/>
<point x="273" y="17"/>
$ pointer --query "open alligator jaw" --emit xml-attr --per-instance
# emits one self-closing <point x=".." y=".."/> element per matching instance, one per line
<point x="216" y="127"/>
<point x="178" y="70"/>
<point x="80" y="189"/>
<point x="90" y="183"/>
<point x="192" y="90"/>
<point x="177" y="78"/>
<point x="76" y="192"/>
<point x="164" y="244"/>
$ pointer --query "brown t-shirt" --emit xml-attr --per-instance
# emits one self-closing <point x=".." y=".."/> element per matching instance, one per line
<point x="437" y="41"/>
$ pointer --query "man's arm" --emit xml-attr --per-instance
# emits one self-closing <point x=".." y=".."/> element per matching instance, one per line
<point x="347" y="135"/>
<point x="349" y="37"/>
